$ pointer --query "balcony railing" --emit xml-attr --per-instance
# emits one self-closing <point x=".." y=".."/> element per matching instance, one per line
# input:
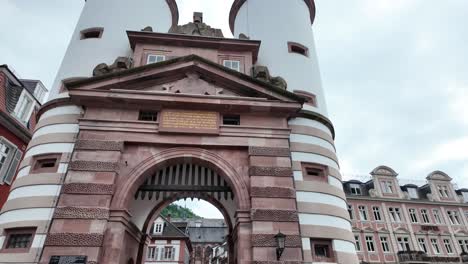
<point x="411" y="256"/>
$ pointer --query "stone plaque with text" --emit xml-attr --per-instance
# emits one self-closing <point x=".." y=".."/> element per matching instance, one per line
<point x="68" y="260"/>
<point x="188" y="121"/>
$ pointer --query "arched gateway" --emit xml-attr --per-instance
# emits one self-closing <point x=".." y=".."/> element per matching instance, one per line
<point x="161" y="112"/>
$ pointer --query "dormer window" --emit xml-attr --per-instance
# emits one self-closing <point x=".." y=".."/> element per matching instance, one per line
<point x="24" y="107"/>
<point x="158" y="228"/>
<point x="355" y="189"/>
<point x="387" y="186"/>
<point x="443" y="191"/>
<point x="155" y="58"/>
<point x="232" y="64"/>
<point x="413" y="193"/>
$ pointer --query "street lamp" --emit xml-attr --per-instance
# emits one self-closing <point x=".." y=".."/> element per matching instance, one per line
<point x="280" y="243"/>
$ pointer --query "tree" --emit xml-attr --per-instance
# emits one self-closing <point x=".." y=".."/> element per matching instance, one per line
<point x="178" y="211"/>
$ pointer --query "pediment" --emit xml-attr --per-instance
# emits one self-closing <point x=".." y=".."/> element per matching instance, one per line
<point x="439" y="176"/>
<point x="192" y="84"/>
<point x="384" y="171"/>
<point x="190" y="75"/>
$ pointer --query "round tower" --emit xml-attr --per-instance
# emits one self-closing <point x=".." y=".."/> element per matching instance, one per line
<point x="100" y="38"/>
<point x="288" y="50"/>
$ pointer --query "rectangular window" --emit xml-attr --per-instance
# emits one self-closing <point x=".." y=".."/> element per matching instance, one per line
<point x="465" y="197"/>
<point x="158" y="228"/>
<point x="314" y="172"/>
<point x="448" y="246"/>
<point x="453" y="217"/>
<point x="377" y="215"/>
<point x="150" y="116"/>
<point x="413" y="193"/>
<point x="169" y="253"/>
<point x="46" y="163"/>
<point x="10" y="157"/>
<point x="387" y="186"/>
<point x="413" y="215"/>
<point x="403" y="244"/>
<point x="24" y="107"/>
<point x="155" y="58"/>
<point x="355" y="189"/>
<point x="370" y="243"/>
<point x="425" y="216"/>
<point x="357" y="242"/>
<point x="422" y="244"/>
<point x="385" y="245"/>
<point x="151" y="253"/>
<point x="18" y="239"/>
<point x="443" y="191"/>
<point x="350" y="211"/>
<point x="363" y="213"/>
<point x="231" y="120"/>
<point x="463" y="245"/>
<point x="232" y="64"/>
<point x="322" y="251"/>
<point x="395" y="214"/>
<point x="437" y="216"/>
<point x="435" y="245"/>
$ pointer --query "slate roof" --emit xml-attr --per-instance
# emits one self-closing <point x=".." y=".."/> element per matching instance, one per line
<point x="210" y="230"/>
<point x="30" y="85"/>
<point x="171" y="230"/>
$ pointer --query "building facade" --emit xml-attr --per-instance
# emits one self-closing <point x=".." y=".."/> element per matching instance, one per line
<point x="145" y="112"/>
<point x="395" y="223"/>
<point x="19" y="102"/>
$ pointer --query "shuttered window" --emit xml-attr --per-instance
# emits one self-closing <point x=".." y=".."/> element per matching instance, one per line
<point x="10" y="157"/>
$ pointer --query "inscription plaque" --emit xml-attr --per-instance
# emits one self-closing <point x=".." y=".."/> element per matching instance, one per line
<point x="186" y="121"/>
<point x="68" y="260"/>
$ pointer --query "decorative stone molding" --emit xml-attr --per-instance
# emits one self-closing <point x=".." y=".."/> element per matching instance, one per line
<point x="268" y="240"/>
<point x="272" y="192"/>
<point x="99" y="145"/>
<point x="101" y="166"/>
<point x="270" y="152"/>
<point x="81" y="213"/>
<point x="87" y="188"/>
<point x="74" y="240"/>
<point x="274" y="215"/>
<point x="271" y="171"/>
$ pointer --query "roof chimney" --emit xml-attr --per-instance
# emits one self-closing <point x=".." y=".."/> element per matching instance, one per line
<point x="197" y="17"/>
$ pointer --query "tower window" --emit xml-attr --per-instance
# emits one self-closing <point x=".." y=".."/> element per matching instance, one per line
<point x="46" y="163"/>
<point x="231" y="120"/>
<point x="150" y="116"/>
<point x="155" y="59"/>
<point x="18" y="239"/>
<point x="314" y="172"/>
<point x="294" y="47"/>
<point x="92" y="33"/>
<point x="322" y="250"/>
<point x="232" y="64"/>
<point x="310" y="98"/>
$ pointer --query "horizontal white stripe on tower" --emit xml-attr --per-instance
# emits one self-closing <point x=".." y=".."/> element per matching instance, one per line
<point x="324" y="220"/>
<point x="310" y="123"/>
<point x="344" y="246"/>
<point x="314" y="158"/>
<point x="30" y="214"/>
<point x="34" y="191"/>
<point x="62" y="110"/>
<point x="59" y="128"/>
<point x="50" y="148"/>
<point x="312" y="140"/>
<point x="322" y="198"/>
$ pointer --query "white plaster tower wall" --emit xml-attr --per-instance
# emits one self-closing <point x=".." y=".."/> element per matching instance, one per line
<point x="115" y="17"/>
<point x="321" y="205"/>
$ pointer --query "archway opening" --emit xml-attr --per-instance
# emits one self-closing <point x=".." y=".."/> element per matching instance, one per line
<point x="196" y="240"/>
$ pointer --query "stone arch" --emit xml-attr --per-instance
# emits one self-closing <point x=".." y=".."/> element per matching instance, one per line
<point x="137" y="176"/>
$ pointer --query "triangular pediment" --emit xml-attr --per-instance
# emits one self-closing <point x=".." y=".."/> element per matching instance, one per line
<point x="190" y="75"/>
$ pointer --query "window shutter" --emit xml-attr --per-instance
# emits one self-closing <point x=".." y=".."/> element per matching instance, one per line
<point x="13" y="166"/>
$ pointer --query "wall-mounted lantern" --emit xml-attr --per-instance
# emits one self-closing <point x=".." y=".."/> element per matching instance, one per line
<point x="280" y="244"/>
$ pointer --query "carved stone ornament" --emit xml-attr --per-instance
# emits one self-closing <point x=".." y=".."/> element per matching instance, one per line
<point x="243" y="36"/>
<point x="372" y="193"/>
<point x="262" y="73"/>
<point x="197" y="28"/>
<point x="147" y="29"/>
<point x="120" y="64"/>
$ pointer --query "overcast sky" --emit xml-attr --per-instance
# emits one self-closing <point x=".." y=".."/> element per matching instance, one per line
<point x="395" y="73"/>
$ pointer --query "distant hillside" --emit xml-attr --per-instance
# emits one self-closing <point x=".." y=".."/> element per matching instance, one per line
<point x="178" y="211"/>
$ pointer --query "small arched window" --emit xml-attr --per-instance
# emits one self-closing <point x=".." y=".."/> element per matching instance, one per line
<point x="91" y="33"/>
<point x="294" y="47"/>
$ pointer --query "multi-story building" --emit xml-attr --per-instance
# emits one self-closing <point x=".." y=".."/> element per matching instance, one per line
<point x="395" y="223"/>
<point x="19" y="102"/>
<point x="145" y="111"/>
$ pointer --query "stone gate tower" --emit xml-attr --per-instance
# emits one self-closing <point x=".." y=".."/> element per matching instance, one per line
<point x="145" y="111"/>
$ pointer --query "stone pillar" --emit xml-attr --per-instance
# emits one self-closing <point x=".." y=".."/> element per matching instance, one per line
<point x="82" y="214"/>
<point x="273" y="205"/>
<point x="241" y="237"/>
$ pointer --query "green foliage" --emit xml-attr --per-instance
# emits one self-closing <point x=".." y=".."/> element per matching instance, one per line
<point x="178" y="211"/>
